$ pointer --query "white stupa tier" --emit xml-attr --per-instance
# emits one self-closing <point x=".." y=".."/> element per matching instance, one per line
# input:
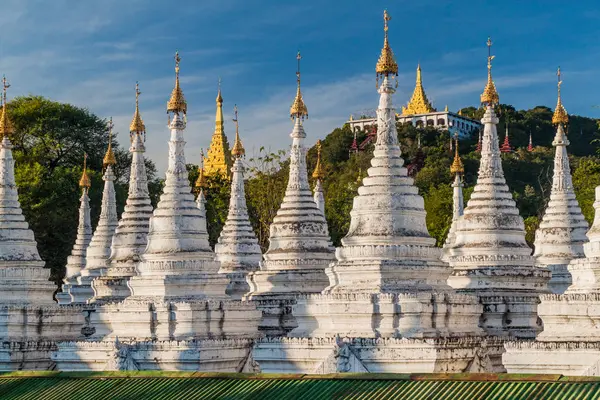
<point x="490" y="257"/>
<point x="30" y="321"/>
<point x="389" y="259"/>
<point x="237" y="248"/>
<point x="561" y="234"/>
<point x="98" y="252"/>
<point x="570" y="342"/>
<point x="76" y="261"/>
<point x="130" y="238"/>
<point x="299" y="247"/>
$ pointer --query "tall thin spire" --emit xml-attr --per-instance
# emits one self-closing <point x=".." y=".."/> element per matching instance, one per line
<point x="319" y="174"/>
<point x="530" y="145"/>
<point x="386" y="65"/>
<point x="506" y="148"/>
<point x="418" y="104"/>
<point x="298" y="108"/>
<point x="457" y="169"/>
<point x="562" y="231"/>
<point x="490" y="94"/>
<point x="109" y="157"/>
<point x="560" y="115"/>
<point x="200" y="183"/>
<point x="218" y="156"/>
<point x="177" y="103"/>
<point x="354" y="145"/>
<point x="6" y="126"/>
<point x="76" y="261"/>
<point x="85" y="181"/>
<point x="237" y="248"/>
<point x="238" y="149"/>
<point x="137" y="124"/>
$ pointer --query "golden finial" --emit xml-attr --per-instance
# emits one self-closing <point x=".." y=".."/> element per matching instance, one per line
<point x="137" y="125"/>
<point x="386" y="65"/>
<point x="85" y="181"/>
<point x="109" y="157"/>
<point x="490" y="94"/>
<point x="457" y="166"/>
<point x="318" y="173"/>
<point x="6" y="126"/>
<point x="238" y="149"/>
<point x="560" y="114"/>
<point x="219" y="97"/>
<point x="298" y="109"/>
<point x="201" y="181"/>
<point x="177" y="102"/>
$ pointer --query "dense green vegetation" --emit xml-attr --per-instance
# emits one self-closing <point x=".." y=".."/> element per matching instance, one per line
<point x="51" y="138"/>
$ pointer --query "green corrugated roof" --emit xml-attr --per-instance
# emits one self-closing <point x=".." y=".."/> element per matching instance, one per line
<point x="149" y="385"/>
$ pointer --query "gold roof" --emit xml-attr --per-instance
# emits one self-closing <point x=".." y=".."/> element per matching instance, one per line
<point x="6" y="126"/>
<point x="457" y="166"/>
<point x="238" y="149"/>
<point x="386" y="65"/>
<point x="560" y="114"/>
<point x="137" y="124"/>
<point x="490" y="94"/>
<point x="177" y="102"/>
<point x="418" y="104"/>
<point x="298" y="108"/>
<point x="85" y="181"/>
<point x="201" y="181"/>
<point x="318" y="173"/>
<point x="109" y="157"/>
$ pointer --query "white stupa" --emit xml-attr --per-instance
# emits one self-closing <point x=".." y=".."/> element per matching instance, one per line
<point x="490" y="257"/>
<point x="130" y="238"/>
<point x="561" y="234"/>
<point x="76" y="261"/>
<point x="237" y="248"/>
<point x="299" y="245"/>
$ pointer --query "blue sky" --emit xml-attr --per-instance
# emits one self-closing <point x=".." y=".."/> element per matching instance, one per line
<point x="90" y="53"/>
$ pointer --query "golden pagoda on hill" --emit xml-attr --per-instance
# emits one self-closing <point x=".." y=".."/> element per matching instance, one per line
<point x="420" y="112"/>
<point x="218" y="158"/>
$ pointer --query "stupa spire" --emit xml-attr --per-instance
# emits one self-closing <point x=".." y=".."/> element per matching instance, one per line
<point x="562" y="231"/>
<point x="354" y="146"/>
<point x="6" y="126"/>
<point x="298" y="109"/>
<point x="178" y="261"/>
<point x="530" y="145"/>
<point x="23" y="278"/>
<point x="218" y="157"/>
<point x="457" y="169"/>
<point x="200" y="183"/>
<point x="490" y="94"/>
<point x="299" y="244"/>
<point x="418" y="104"/>
<point x="318" y="174"/>
<point x="506" y="148"/>
<point x="76" y="261"/>
<point x="99" y="249"/>
<point x="560" y="115"/>
<point x="130" y="237"/>
<point x="177" y="104"/>
<point x="237" y="248"/>
<point x="386" y="64"/>
<point x="490" y="257"/>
